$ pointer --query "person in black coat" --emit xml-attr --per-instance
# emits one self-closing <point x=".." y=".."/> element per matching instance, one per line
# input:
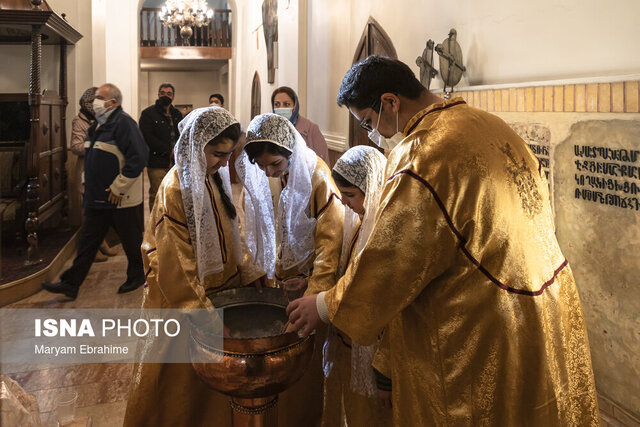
<point x="159" y="126"/>
<point x="115" y="156"/>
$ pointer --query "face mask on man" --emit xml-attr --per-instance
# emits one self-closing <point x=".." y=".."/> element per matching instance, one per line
<point x="381" y="141"/>
<point x="99" y="110"/>
<point x="164" y="101"/>
<point x="284" y="112"/>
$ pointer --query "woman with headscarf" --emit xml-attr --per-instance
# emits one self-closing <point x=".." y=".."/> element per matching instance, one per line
<point x="294" y="234"/>
<point x="79" y="129"/>
<point x="192" y="248"/>
<point x="284" y="102"/>
<point x="351" y="390"/>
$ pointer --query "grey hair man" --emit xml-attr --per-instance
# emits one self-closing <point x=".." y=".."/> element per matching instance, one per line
<point x="115" y="156"/>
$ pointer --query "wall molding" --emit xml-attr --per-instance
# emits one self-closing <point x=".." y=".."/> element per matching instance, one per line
<point x="336" y="142"/>
<point x="608" y="97"/>
<point x="559" y="82"/>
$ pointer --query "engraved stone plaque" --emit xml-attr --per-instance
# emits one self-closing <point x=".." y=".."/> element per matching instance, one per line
<point x="597" y="202"/>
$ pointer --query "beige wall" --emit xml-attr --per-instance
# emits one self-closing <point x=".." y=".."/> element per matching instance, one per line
<point x="251" y="54"/>
<point x="502" y="42"/>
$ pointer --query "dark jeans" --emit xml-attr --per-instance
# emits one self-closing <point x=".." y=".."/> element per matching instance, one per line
<point x="129" y="225"/>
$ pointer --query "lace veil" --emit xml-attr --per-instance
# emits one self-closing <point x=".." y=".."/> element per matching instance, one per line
<point x="364" y="167"/>
<point x="296" y="226"/>
<point x="198" y="128"/>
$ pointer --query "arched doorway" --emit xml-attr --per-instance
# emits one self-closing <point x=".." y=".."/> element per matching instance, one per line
<point x="255" y="95"/>
<point x="374" y="41"/>
<point x="220" y="36"/>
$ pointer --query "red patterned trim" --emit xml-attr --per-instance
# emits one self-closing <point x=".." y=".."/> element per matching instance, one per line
<point x="352" y="245"/>
<point x="216" y="214"/>
<point x="327" y="204"/>
<point x="170" y="219"/>
<point x="146" y="285"/>
<point x="463" y="242"/>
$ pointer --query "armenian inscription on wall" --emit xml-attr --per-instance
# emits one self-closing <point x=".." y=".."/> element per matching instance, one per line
<point x="609" y="176"/>
<point x="596" y="172"/>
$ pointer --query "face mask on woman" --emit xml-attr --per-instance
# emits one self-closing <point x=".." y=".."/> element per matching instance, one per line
<point x="284" y="112"/>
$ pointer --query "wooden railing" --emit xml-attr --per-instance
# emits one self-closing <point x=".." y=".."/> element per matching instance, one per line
<point x="154" y="33"/>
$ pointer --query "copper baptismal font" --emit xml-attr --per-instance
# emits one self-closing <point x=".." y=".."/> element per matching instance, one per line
<point x="258" y="361"/>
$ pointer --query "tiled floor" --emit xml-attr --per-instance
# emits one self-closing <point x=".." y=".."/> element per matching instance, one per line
<point x="102" y="388"/>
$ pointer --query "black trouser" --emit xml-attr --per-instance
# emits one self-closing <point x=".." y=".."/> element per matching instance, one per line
<point x="129" y="225"/>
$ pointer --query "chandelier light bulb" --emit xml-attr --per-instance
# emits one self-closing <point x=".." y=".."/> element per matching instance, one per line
<point x="186" y="14"/>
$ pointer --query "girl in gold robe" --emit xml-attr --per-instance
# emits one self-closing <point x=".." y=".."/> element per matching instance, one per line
<point x="295" y="237"/>
<point x="191" y="249"/>
<point x="351" y="397"/>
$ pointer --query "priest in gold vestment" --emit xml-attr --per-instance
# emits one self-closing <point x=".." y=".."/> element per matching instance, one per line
<point x="462" y="269"/>
<point x="184" y="264"/>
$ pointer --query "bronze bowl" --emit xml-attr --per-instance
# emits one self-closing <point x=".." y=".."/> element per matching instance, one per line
<point x="251" y="366"/>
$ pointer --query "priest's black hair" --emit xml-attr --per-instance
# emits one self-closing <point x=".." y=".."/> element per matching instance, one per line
<point x="367" y="80"/>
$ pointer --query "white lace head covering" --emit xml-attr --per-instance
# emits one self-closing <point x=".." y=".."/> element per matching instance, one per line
<point x="197" y="129"/>
<point x="364" y="167"/>
<point x="295" y="224"/>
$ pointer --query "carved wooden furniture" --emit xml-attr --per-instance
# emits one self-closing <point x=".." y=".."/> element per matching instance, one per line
<point x="32" y="125"/>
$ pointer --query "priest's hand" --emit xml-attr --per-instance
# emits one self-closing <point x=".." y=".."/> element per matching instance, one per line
<point x="294" y="287"/>
<point x="303" y="315"/>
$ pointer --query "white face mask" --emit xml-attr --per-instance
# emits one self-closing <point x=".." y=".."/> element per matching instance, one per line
<point x="381" y="141"/>
<point x="99" y="110"/>
<point x="284" y="112"/>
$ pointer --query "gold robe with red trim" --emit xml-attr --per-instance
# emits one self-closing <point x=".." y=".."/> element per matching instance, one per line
<point x="172" y="394"/>
<point x="326" y="208"/>
<point x="463" y="268"/>
<point x="342" y="406"/>
<point x="301" y="405"/>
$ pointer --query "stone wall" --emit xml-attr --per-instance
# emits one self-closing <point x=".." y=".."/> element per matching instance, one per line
<point x="587" y="137"/>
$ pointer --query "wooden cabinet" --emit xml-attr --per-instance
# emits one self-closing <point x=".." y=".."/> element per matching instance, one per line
<point x="32" y="126"/>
